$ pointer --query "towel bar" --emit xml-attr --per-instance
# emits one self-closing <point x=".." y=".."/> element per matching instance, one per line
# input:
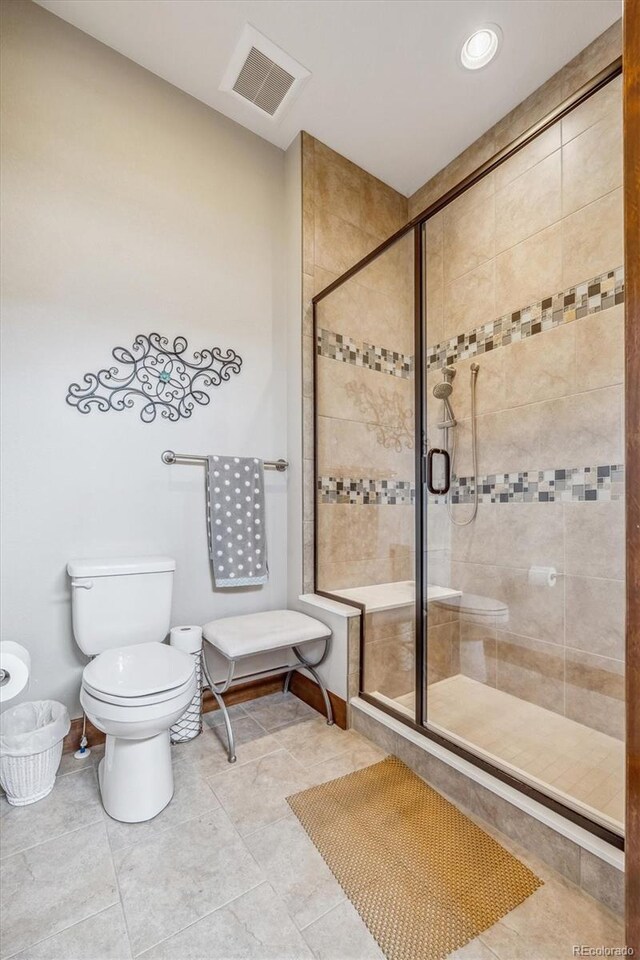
<point x="170" y="457"/>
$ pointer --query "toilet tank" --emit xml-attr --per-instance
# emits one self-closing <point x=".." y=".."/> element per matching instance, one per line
<point x="120" y="602"/>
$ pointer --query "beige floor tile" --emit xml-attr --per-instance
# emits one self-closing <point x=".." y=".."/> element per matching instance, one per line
<point x="101" y="937"/>
<point x="209" y="751"/>
<point x="254" y="795"/>
<point x="360" y="755"/>
<point x="313" y="741"/>
<point x="54" y="885"/>
<point x="186" y="872"/>
<point x="255" y="926"/>
<point x="74" y="802"/>
<point x="193" y="797"/>
<point x="341" y="935"/>
<point x="549" y="923"/>
<point x="295" y="869"/>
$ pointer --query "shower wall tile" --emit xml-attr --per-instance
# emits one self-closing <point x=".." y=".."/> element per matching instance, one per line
<point x="475" y="542"/>
<point x="346" y="448"/>
<point x="594" y="692"/>
<point x="541" y="102"/>
<point x="530" y="534"/>
<point x="434" y="278"/>
<point x="469" y="300"/>
<point x="583" y="428"/>
<point x="508" y="441"/>
<point x="592" y="239"/>
<point x="602" y="104"/>
<point x="534" y="611"/>
<point x="541" y="367"/>
<point x="364" y="532"/>
<point x="528" y="157"/>
<point x="531" y="670"/>
<point x="592" y="163"/>
<point x="594" y="58"/>
<point x="600" y="349"/>
<point x="595" y="616"/>
<point x="530" y="270"/>
<point x="469" y="234"/>
<point x="340" y="575"/>
<point x="347" y="392"/>
<point x="594" y="540"/>
<point x="338" y="244"/>
<point x="529" y="203"/>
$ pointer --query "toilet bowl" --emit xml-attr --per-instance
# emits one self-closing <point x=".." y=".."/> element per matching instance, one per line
<point x="134" y="694"/>
<point x="136" y="686"/>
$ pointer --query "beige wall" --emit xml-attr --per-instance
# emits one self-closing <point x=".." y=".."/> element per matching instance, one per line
<point x="128" y="207"/>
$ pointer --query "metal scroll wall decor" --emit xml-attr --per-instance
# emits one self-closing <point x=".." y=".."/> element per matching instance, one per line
<point x="157" y="377"/>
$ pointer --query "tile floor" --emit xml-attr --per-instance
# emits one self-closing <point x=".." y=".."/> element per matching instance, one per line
<point x="580" y="764"/>
<point x="226" y="871"/>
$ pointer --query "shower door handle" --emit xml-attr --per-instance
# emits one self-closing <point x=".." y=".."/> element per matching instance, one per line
<point x="446" y="472"/>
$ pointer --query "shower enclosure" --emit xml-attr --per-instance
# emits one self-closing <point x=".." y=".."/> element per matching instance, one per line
<point x="469" y="463"/>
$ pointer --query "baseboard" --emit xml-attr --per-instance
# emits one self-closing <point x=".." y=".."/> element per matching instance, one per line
<point x="250" y="690"/>
<point x="309" y="691"/>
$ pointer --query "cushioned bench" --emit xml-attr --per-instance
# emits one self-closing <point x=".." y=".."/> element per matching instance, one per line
<point x="238" y="637"/>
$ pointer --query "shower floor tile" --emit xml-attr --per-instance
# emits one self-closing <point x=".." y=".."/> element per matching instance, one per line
<point x="581" y="765"/>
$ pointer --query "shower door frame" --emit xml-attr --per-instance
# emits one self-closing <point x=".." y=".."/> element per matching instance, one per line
<point x="416" y="225"/>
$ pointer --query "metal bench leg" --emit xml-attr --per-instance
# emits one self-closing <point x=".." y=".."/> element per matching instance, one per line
<point x="311" y="667"/>
<point x="231" y="746"/>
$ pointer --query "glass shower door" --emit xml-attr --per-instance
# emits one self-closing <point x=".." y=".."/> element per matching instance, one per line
<point x="524" y="555"/>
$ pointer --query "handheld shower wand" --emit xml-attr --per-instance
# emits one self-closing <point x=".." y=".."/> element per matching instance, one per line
<point x="442" y="391"/>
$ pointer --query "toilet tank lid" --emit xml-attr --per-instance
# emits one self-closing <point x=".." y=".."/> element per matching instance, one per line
<point x="119" y="566"/>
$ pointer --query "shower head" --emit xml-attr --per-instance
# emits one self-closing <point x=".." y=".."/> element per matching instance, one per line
<point x="443" y="390"/>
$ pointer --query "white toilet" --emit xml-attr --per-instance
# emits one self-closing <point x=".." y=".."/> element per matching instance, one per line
<point x="136" y="686"/>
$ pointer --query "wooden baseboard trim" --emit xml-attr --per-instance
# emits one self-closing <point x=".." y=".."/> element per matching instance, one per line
<point x="309" y="691"/>
<point x="250" y="690"/>
<point x="301" y="686"/>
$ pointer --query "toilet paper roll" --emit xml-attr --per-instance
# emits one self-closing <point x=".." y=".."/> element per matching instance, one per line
<point x="15" y="668"/>
<point x="188" y="639"/>
<point x="542" y="576"/>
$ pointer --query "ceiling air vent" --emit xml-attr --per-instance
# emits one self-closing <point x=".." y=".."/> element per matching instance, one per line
<point x="263" y="82"/>
<point x="262" y="74"/>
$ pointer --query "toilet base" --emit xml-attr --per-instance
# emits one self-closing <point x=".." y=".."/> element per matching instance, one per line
<point x="136" y="777"/>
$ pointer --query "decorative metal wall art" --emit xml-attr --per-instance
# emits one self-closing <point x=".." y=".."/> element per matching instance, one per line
<point x="391" y="421"/>
<point x="157" y="377"/>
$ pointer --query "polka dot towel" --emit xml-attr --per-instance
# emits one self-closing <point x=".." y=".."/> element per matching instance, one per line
<point x="236" y="522"/>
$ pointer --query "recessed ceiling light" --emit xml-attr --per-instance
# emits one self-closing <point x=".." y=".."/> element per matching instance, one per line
<point x="481" y="47"/>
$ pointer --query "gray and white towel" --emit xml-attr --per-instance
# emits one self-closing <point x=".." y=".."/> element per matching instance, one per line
<point x="236" y="521"/>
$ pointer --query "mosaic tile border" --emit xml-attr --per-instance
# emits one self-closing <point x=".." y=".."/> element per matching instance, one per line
<point x="335" y="346"/>
<point x="564" y="485"/>
<point x="360" y="491"/>
<point x="591" y="296"/>
<point x="544" y="486"/>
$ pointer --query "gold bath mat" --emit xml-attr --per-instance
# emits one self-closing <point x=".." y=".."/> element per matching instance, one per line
<point x="423" y="877"/>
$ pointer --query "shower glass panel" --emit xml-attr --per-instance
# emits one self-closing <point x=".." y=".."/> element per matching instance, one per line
<point x="523" y="362"/>
<point x="365" y="462"/>
<point x="502" y="312"/>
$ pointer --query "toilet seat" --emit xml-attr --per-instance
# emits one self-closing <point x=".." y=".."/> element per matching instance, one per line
<point x="139" y="675"/>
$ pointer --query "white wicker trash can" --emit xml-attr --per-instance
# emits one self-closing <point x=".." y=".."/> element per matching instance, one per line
<point x="189" y="726"/>
<point x="31" y="736"/>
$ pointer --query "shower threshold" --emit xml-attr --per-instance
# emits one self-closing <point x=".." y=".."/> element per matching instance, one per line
<point x="581" y="767"/>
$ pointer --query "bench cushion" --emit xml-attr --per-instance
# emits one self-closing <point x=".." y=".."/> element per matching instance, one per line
<point x="260" y="632"/>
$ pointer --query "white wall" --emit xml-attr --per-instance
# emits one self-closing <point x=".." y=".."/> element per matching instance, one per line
<point x="128" y="208"/>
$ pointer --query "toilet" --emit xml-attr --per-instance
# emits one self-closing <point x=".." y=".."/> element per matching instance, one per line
<point x="136" y="686"/>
